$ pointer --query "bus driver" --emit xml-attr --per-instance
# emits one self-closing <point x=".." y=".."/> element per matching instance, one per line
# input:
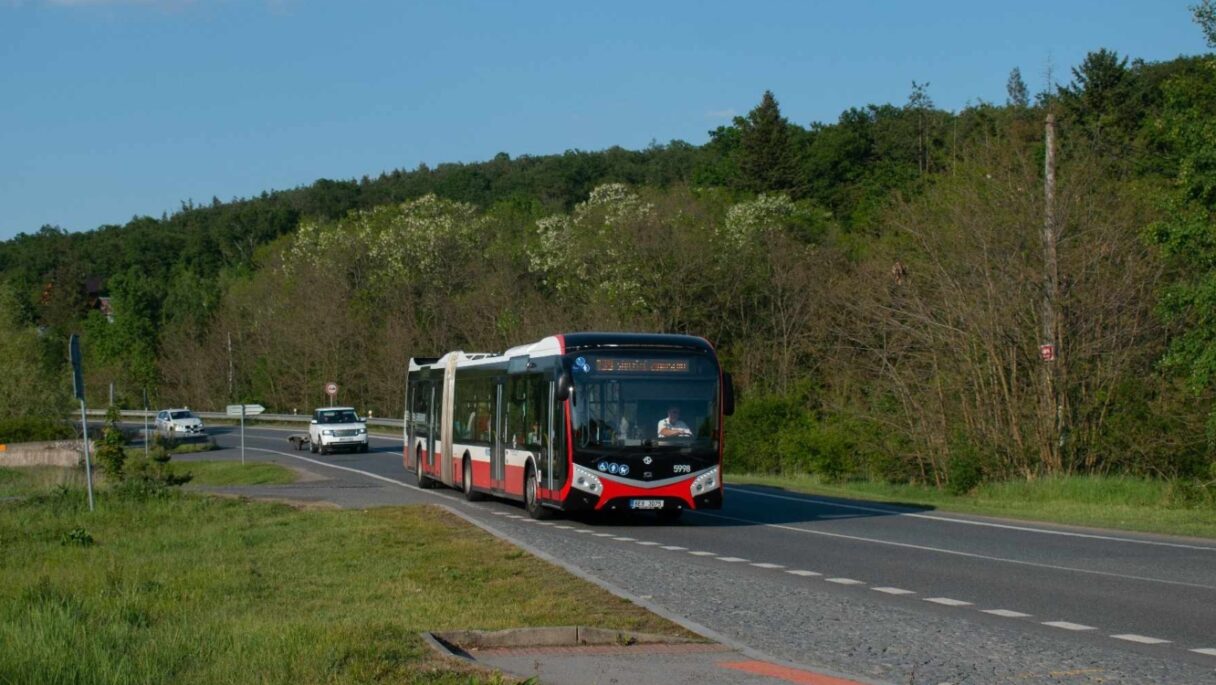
<point x="672" y="426"/>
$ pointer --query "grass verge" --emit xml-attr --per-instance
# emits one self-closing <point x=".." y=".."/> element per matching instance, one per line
<point x="233" y="473"/>
<point x="1117" y="502"/>
<point x="193" y="589"/>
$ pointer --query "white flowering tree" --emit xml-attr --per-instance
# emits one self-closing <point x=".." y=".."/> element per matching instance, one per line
<point x="388" y="247"/>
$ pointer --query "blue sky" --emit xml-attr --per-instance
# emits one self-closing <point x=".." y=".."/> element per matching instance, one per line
<point x="116" y="108"/>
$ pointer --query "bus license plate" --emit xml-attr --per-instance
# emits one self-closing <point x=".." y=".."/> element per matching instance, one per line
<point x="646" y="504"/>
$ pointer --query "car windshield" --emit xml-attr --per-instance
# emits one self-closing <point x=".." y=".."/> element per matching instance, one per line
<point x="669" y="402"/>
<point x="344" y="416"/>
<point x="180" y="415"/>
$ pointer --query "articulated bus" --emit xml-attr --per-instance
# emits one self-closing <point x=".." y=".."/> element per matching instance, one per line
<point x="581" y="421"/>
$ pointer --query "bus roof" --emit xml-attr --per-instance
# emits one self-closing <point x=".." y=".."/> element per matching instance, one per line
<point x="555" y="345"/>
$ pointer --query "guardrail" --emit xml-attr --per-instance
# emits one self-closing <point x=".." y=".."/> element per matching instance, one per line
<point x="272" y="418"/>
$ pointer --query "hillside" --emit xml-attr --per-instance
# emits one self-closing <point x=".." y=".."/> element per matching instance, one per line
<point x="877" y="284"/>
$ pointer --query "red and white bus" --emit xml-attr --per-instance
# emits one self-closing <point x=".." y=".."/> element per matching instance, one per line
<point x="581" y="421"/>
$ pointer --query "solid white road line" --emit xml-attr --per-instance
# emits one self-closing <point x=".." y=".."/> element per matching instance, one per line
<point x="946" y="601"/>
<point x="933" y="517"/>
<point x="1142" y="639"/>
<point x="952" y="552"/>
<point x="893" y="590"/>
<point x="1006" y="613"/>
<point x="844" y="581"/>
<point x="1067" y="626"/>
<point x="800" y="572"/>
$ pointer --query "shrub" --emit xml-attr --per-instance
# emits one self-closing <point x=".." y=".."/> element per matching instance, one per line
<point x="151" y="477"/>
<point x="966" y="469"/>
<point x="78" y="537"/>
<point x="111" y="451"/>
<point x="34" y="429"/>
<point x="754" y="433"/>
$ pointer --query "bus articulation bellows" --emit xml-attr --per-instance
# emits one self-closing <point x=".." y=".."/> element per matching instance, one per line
<point x="580" y="421"/>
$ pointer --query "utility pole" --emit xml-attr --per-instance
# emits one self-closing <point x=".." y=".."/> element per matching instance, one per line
<point x="1048" y="349"/>
<point x="231" y="397"/>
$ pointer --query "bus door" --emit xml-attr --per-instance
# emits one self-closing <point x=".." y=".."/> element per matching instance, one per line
<point x="547" y="455"/>
<point x="498" y="461"/>
<point x="432" y="424"/>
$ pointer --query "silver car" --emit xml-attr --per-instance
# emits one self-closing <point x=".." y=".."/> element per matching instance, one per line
<point x="178" y="423"/>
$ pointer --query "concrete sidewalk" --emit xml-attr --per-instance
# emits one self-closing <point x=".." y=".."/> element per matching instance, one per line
<point x="678" y="664"/>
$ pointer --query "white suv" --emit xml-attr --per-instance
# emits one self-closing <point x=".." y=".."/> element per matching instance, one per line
<point x="178" y="423"/>
<point x="336" y="427"/>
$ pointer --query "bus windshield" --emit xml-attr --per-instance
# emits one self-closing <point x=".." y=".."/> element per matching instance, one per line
<point x="645" y="402"/>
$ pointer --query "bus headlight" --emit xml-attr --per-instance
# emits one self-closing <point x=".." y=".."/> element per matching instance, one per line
<point x="587" y="481"/>
<point x="705" y="482"/>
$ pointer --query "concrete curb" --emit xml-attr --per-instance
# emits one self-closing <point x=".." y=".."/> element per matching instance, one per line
<point x="556" y="636"/>
<point x="682" y="621"/>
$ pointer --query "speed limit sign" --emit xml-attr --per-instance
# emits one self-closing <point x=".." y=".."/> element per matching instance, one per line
<point x="331" y="389"/>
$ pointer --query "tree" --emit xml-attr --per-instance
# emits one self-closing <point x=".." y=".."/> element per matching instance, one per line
<point x="1186" y="236"/>
<point x="1205" y="16"/>
<point x="1015" y="88"/>
<point x="766" y="160"/>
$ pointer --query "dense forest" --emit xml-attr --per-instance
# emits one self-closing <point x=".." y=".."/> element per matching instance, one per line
<point x="878" y="285"/>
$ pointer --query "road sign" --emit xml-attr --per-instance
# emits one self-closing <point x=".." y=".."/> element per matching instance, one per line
<point x="250" y="409"/>
<point x="331" y="389"/>
<point x="77" y="373"/>
<point x="1047" y="353"/>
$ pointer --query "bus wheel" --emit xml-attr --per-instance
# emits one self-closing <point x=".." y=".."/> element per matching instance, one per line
<point x="531" y="500"/>
<point x="424" y="481"/>
<point x="466" y="480"/>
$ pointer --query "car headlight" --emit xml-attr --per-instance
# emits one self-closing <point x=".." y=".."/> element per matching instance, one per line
<point x="362" y="431"/>
<point x="587" y="481"/>
<point x="327" y="432"/>
<point x="705" y="482"/>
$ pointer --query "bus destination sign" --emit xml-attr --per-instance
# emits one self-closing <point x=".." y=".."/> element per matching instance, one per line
<point x="620" y="365"/>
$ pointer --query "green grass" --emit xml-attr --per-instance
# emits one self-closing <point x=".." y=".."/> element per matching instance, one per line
<point x="195" y="589"/>
<point x="1118" y="502"/>
<point x="234" y="473"/>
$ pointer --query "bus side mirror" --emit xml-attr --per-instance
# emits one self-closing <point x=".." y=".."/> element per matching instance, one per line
<point x="728" y="395"/>
<point x="565" y="386"/>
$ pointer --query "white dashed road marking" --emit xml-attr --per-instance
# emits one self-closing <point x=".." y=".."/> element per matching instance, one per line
<point x="674" y="548"/>
<point x="1067" y="626"/>
<point x="647" y="543"/>
<point x="1064" y="625"/>
<point x="1142" y="639"/>
<point x="946" y="601"/>
<point x="581" y="530"/>
<point x="1206" y="650"/>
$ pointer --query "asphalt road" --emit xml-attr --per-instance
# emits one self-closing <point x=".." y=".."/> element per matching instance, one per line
<point x="886" y="593"/>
